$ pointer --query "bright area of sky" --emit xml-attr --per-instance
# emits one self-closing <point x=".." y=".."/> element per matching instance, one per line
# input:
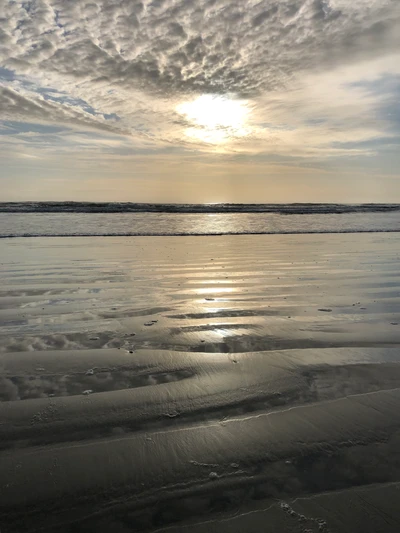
<point x="200" y="100"/>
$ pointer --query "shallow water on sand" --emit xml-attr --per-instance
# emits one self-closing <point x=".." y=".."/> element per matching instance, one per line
<point x="125" y="223"/>
<point x="165" y="381"/>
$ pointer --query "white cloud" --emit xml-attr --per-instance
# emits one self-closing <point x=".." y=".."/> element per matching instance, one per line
<point x="134" y="63"/>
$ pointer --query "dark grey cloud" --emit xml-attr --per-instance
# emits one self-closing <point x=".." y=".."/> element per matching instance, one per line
<point x="264" y="15"/>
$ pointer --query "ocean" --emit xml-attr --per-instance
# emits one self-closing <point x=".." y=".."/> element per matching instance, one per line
<point x="89" y="219"/>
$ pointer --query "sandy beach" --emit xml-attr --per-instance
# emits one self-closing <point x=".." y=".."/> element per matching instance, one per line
<point x="199" y="266"/>
<point x="239" y="383"/>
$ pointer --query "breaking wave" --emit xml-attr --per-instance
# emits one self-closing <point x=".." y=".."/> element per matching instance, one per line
<point x="129" y="207"/>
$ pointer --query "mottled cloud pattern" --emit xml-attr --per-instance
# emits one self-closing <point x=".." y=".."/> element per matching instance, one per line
<point x="317" y="78"/>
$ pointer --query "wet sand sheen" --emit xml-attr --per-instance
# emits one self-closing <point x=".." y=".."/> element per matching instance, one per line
<point x="236" y="383"/>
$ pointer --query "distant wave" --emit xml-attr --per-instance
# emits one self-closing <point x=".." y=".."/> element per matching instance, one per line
<point x="128" y="207"/>
<point x="187" y="234"/>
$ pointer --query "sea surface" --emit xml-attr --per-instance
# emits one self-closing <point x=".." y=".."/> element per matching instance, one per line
<point x="184" y="381"/>
<point x="85" y="219"/>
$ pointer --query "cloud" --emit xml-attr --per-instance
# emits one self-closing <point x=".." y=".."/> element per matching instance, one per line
<point x="15" y="105"/>
<point x="124" y="66"/>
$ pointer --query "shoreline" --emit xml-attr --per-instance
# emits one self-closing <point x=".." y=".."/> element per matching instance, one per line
<point x="230" y="234"/>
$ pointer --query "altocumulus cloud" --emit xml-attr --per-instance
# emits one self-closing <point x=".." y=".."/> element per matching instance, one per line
<point x="301" y="68"/>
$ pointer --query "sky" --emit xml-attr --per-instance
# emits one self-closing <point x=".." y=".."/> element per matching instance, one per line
<point x="200" y="100"/>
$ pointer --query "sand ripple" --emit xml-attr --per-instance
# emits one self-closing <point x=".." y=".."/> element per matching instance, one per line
<point x="154" y="382"/>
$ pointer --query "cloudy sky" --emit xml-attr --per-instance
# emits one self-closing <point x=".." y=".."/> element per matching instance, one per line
<point x="200" y="100"/>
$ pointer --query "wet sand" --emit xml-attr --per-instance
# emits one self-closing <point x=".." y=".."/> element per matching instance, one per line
<point x="238" y="383"/>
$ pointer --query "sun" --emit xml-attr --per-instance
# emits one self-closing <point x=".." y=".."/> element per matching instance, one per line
<point x="215" y="119"/>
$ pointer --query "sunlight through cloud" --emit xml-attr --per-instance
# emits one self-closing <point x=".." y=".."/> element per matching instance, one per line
<point x="215" y="119"/>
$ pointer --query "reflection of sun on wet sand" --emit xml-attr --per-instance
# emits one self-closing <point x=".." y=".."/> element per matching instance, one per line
<point x="244" y="384"/>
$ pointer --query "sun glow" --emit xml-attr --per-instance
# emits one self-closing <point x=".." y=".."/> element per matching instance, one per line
<point x="215" y="119"/>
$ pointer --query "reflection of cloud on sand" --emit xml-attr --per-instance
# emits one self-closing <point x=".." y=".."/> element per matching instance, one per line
<point x="29" y="387"/>
<point x="8" y="390"/>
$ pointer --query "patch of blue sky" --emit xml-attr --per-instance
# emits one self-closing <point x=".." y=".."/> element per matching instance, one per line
<point x="14" y="128"/>
<point x="384" y="85"/>
<point x="377" y="143"/>
<point x="391" y="113"/>
<point x="387" y="89"/>
<point x="53" y="95"/>
<point x="49" y="90"/>
<point x="111" y="116"/>
<point x="62" y="98"/>
<point x="6" y="75"/>
<point x="65" y="99"/>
